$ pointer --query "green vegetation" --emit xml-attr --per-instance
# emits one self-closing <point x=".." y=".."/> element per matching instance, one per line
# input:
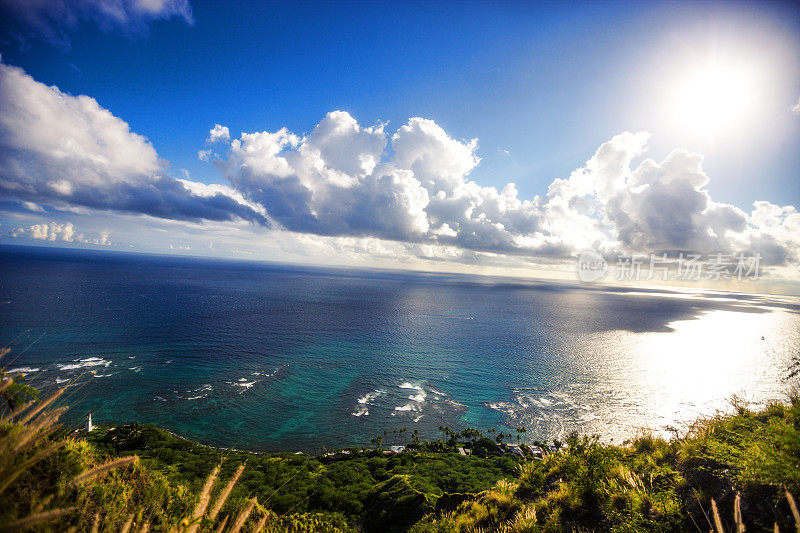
<point x="726" y="473"/>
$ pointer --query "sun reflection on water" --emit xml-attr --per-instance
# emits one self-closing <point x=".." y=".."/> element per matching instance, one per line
<point x="652" y="380"/>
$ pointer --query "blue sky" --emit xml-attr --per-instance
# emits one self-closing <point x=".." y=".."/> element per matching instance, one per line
<point x="540" y="85"/>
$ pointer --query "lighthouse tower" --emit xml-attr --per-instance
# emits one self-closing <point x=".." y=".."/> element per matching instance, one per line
<point x="89" y="425"/>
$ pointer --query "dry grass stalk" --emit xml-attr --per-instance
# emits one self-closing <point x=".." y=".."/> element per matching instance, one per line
<point x="205" y="498"/>
<point x="9" y="479"/>
<point x="39" y="408"/>
<point x="102" y="469"/>
<point x="242" y="518"/>
<point x="6" y="383"/>
<point x="34" y="433"/>
<point x="737" y="514"/>
<point x="222" y="525"/>
<point x="262" y="522"/>
<point x="96" y="523"/>
<point x="717" y="519"/>
<point x="37" y="518"/>
<point x="145" y="527"/>
<point x="126" y="527"/>
<point x="793" y="507"/>
<point x="42" y="504"/>
<point x="11" y="414"/>
<point x="225" y="493"/>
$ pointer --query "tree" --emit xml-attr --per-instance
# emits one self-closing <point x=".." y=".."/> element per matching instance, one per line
<point x="16" y="393"/>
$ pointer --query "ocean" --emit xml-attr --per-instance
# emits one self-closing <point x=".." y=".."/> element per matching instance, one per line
<point x="282" y="357"/>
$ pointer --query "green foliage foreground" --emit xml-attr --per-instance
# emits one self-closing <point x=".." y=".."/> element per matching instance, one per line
<point x="744" y="463"/>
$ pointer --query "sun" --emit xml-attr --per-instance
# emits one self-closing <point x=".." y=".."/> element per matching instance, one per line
<point x="714" y="98"/>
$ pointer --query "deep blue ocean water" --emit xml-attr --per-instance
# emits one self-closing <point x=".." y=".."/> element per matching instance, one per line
<point x="278" y="357"/>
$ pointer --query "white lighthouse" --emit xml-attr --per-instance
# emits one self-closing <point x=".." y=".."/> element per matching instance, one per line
<point x="89" y="425"/>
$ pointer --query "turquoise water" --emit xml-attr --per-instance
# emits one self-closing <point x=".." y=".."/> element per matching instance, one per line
<point x="270" y="357"/>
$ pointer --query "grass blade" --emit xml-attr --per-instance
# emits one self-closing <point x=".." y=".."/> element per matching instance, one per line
<point x="37" y="518"/>
<point x="793" y="507"/>
<point x="262" y="523"/>
<point x="225" y="493"/>
<point x="9" y="479"/>
<point x="717" y="519"/>
<point x="242" y="518"/>
<point x="737" y="514"/>
<point x="126" y="527"/>
<point x="224" y="523"/>
<point x="96" y="524"/>
<point x="42" y="406"/>
<point x="205" y="498"/>
<point x="102" y="469"/>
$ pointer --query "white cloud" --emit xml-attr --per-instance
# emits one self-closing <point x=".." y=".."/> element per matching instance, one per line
<point x="64" y="232"/>
<point x="59" y="148"/>
<point x="32" y="206"/>
<point x="54" y="19"/>
<point x="796" y="107"/>
<point x="335" y="181"/>
<point x="218" y="133"/>
<point x="52" y="232"/>
<point x="103" y="239"/>
<point x="364" y="187"/>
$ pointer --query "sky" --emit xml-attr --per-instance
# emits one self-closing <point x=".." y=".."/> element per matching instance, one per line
<point x="480" y="136"/>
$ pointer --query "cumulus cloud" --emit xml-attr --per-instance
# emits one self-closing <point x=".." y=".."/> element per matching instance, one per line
<point x="52" y="232"/>
<point x="60" y="148"/>
<point x="796" y="107"/>
<point x="54" y="19"/>
<point x="329" y="182"/>
<point x="65" y="232"/>
<point x="218" y="133"/>
<point x="361" y="184"/>
<point x="339" y="181"/>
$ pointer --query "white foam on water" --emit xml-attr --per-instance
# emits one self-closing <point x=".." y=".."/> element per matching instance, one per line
<point x="60" y="380"/>
<point x="243" y="383"/>
<point x="23" y="370"/>
<point x="370" y="396"/>
<point x="407" y="385"/>
<point x="84" y="363"/>
<point x="406" y="407"/>
<point x="200" y="392"/>
<point x="418" y="397"/>
<point x="368" y="399"/>
<point x="503" y="407"/>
